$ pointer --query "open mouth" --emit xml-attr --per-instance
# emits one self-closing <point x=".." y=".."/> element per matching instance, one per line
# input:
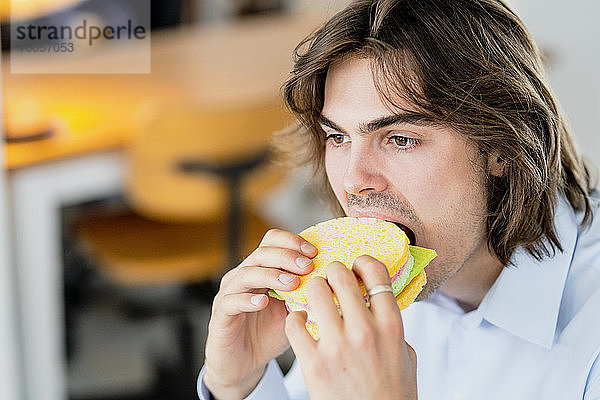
<point x="408" y="231"/>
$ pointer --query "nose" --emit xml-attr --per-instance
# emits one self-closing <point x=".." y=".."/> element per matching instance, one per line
<point x="363" y="173"/>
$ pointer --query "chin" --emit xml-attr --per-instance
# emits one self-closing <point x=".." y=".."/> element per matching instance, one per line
<point x="427" y="291"/>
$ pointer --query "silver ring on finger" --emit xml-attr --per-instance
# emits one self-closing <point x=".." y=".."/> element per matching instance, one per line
<point x="380" y="289"/>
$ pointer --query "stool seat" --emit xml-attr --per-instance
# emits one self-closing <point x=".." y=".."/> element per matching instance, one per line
<point x="133" y="250"/>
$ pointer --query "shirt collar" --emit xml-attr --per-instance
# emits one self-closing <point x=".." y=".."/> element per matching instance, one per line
<point x="525" y="299"/>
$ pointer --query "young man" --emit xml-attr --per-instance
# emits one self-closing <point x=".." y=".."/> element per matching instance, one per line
<point x="434" y="114"/>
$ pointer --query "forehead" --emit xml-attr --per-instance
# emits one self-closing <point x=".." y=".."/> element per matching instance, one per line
<point x="351" y="92"/>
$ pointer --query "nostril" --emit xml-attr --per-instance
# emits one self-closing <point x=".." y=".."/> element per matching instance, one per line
<point x="366" y="190"/>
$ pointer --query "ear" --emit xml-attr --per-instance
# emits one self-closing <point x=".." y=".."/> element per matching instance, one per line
<point x="497" y="165"/>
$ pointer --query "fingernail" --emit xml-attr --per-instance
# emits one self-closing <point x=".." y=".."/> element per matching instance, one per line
<point x="303" y="262"/>
<point x="286" y="278"/>
<point x="307" y="248"/>
<point x="256" y="299"/>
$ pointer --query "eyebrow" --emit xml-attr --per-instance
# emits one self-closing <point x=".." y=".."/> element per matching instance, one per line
<point x="366" y="128"/>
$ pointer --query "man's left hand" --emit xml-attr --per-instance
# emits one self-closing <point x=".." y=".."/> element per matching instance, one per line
<point x="362" y="355"/>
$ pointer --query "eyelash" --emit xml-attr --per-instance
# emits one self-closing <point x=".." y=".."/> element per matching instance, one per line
<point x="412" y="142"/>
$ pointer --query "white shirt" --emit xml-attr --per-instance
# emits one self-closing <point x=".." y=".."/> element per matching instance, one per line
<point x="535" y="335"/>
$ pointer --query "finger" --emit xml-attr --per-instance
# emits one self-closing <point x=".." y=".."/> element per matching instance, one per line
<point x="345" y="286"/>
<point x="323" y="308"/>
<point x="248" y="279"/>
<point x="373" y="273"/>
<point x="288" y="240"/>
<point x="238" y="303"/>
<point x="302" y="343"/>
<point x="278" y="257"/>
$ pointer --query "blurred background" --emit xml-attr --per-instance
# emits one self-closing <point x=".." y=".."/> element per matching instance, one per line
<point x="125" y="196"/>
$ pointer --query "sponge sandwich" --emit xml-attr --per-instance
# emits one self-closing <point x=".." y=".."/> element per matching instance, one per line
<point x="345" y="239"/>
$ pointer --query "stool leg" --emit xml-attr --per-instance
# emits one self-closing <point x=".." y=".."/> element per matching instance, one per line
<point x="235" y="225"/>
<point x="188" y="373"/>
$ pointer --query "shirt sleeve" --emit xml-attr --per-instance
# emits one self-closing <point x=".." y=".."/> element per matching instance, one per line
<point x="271" y="386"/>
<point x="592" y="387"/>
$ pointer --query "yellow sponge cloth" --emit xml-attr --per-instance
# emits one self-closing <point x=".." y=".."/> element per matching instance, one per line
<point x="345" y="239"/>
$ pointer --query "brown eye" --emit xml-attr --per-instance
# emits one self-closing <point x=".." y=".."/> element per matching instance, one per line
<point x="401" y="141"/>
<point x="337" y="139"/>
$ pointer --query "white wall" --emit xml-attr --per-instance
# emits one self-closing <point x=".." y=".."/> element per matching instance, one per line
<point x="10" y="368"/>
<point x="570" y="32"/>
<point x="326" y="8"/>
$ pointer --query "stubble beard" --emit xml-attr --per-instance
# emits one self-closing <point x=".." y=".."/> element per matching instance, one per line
<point x="435" y="280"/>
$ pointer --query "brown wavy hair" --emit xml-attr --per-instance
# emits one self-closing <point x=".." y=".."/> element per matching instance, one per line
<point x="470" y="65"/>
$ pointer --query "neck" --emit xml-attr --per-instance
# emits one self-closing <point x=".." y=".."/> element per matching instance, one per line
<point x="474" y="279"/>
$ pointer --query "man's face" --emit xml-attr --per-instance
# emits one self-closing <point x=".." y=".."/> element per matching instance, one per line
<point x="425" y="177"/>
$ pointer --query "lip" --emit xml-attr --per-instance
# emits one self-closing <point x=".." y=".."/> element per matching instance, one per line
<point x="400" y="223"/>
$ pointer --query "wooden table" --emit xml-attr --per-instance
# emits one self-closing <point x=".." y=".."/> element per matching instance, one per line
<point x="220" y="65"/>
<point x="94" y="117"/>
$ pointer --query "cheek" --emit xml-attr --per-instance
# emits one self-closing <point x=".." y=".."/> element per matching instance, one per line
<point x="451" y="184"/>
<point x="449" y="197"/>
<point x="334" y="168"/>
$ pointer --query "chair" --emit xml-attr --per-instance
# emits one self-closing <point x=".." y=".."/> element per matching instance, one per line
<point x="194" y="178"/>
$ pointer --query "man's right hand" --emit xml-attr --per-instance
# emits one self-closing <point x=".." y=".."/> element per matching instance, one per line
<point x="246" y="328"/>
